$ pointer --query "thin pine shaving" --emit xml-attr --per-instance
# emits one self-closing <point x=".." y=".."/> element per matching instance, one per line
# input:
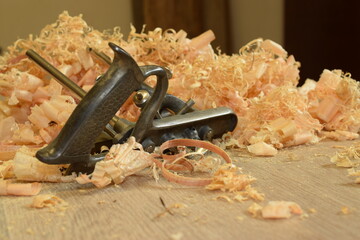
<point x="27" y="167"/>
<point x="8" y="187"/>
<point x="275" y="210"/>
<point x="189" y="181"/>
<point x="47" y="201"/>
<point x="6" y="170"/>
<point x="121" y="161"/>
<point x="349" y="157"/>
<point x="280" y="209"/>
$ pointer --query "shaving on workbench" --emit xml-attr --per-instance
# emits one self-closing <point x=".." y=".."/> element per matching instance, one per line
<point x="275" y="210"/>
<point x="8" y="187"/>
<point x="349" y="158"/>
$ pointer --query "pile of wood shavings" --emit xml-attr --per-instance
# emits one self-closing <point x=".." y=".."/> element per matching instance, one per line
<point x="259" y="84"/>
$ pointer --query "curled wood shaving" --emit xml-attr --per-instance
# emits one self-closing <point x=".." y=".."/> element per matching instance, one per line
<point x="280" y="209"/>
<point x="28" y="168"/>
<point x="6" y="170"/>
<point x="7" y="187"/>
<point x="339" y="135"/>
<point x="262" y="149"/>
<point x="275" y="210"/>
<point x="224" y="197"/>
<point x="121" y="161"/>
<point x="189" y="143"/>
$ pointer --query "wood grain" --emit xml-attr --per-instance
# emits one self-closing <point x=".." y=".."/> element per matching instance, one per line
<point x="130" y="211"/>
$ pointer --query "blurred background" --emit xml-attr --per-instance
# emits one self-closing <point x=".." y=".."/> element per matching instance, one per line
<point x="320" y="34"/>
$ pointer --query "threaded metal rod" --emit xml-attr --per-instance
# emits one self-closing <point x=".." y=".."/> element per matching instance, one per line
<point x="65" y="81"/>
<point x="59" y="76"/>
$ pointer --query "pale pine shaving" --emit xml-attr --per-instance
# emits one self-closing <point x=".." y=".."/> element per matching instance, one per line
<point x="27" y="167"/>
<point x="262" y="149"/>
<point x="47" y="200"/>
<point x="354" y="173"/>
<point x="275" y="210"/>
<point x="121" y="161"/>
<point x="8" y="187"/>
<point x="6" y="170"/>
<point x="254" y="209"/>
<point x="280" y="209"/>
<point x="348" y="157"/>
<point x="169" y="161"/>
<point x="335" y="101"/>
<point x="339" y="135"/>
<point x="224" y="197"/>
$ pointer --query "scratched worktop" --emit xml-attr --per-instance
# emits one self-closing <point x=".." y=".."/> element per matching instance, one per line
<point x="133" y="209"/>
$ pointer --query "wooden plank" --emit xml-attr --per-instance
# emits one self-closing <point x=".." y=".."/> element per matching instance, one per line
<point x="129" y="211"/>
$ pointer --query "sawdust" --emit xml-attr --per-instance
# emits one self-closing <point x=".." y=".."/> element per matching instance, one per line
<point x="312" y="210"/>
<point x="345" y="210"/>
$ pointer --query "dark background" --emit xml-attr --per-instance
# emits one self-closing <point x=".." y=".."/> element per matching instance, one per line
<point x="323" y="34"/>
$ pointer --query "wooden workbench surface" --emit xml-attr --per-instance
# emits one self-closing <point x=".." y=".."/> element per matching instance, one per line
<point x="131" y="211"/>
